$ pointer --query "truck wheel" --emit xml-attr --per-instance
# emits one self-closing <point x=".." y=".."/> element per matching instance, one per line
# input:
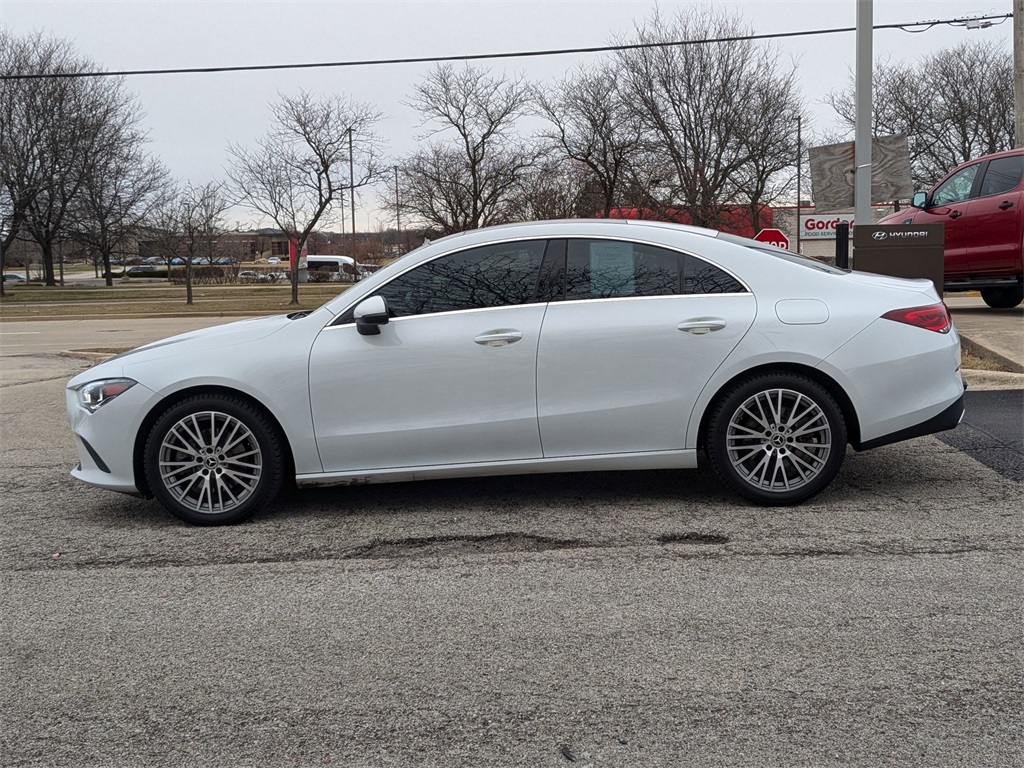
<point x="1003" y="298"/>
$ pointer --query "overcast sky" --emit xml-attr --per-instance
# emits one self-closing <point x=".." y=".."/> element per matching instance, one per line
<point x="192" y="117"/>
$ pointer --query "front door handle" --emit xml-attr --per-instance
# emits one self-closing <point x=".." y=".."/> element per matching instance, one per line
<point x="702" y="325"/>
<point x="501" y="337"/>
<point x="955" y="215"/>
<point x="1005" y="204"/>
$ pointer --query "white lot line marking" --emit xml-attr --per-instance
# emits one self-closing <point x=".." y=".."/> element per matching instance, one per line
<point x="18" y="333"/>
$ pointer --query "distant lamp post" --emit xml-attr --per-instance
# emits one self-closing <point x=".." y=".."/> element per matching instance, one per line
<point x="799" y="163"/>
<point x="398" y="210"/>
<point x="352" y="189"/>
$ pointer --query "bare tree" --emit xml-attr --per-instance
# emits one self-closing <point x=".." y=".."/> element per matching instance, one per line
<point x="118" y="195"/>
<point x="186" y="227"/>
<point x="953" y="105"/>
<point x="57" y="131"/>
<point x="470" y="180"/>
<point x="560" y="189"/>
<point x="593" y="125"/>
<point x="317" y="148"/>
<point x="695" y="102"/>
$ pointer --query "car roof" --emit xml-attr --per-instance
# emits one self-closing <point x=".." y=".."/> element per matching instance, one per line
<point x="994" y="155"/>
<point x="573" y="227"/>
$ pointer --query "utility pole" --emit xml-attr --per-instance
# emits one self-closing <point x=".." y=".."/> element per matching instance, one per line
<point x="398" y="207"/>
<point x="862" y="132"/>
<point x="1018" y="73"/>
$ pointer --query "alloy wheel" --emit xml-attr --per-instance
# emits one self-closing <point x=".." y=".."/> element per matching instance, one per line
<point x="210" y="462"/>
<point x="778" y="440"/>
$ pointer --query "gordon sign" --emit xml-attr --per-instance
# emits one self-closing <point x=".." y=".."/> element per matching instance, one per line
<point x="822" y="227"/>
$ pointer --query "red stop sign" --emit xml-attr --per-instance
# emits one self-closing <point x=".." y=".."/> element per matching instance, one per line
<point x="773" y="237"/>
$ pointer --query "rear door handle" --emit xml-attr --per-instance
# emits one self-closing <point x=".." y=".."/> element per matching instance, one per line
<point x="1005" y="204"/>
<point x="702" y="325"/>
<point x="501" y="337"/>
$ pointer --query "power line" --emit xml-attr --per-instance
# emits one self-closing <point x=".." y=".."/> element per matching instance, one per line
<point x="905" y="27"/>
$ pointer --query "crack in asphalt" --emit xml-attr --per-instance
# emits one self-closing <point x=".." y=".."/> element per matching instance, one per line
<point x="437" y="547"/>
<point x="33" y="381"/>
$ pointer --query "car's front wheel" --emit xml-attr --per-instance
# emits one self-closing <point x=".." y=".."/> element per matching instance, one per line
<point x="1003" y="298"/>
<point x="213" y="459"/>
<point x="777" y="438"/>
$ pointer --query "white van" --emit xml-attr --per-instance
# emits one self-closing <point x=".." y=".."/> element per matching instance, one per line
<point x="338" y="267"/>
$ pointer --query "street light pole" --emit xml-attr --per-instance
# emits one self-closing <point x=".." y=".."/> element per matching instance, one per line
<point x="862" y="129"/>
<point x="1018" y="73"/>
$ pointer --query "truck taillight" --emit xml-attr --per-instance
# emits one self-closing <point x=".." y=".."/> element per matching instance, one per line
<point x="934" y="317"/>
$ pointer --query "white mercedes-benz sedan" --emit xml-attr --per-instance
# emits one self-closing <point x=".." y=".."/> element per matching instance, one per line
<point x="555" y="346"/>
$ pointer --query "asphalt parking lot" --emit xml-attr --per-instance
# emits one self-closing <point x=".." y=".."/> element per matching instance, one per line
<point x="616" y="619"/>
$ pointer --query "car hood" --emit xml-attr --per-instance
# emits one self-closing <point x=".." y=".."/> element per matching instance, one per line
<point x="215" y="337"/>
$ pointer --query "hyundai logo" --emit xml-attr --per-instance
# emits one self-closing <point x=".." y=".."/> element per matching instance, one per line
<point x="879" y="235"/>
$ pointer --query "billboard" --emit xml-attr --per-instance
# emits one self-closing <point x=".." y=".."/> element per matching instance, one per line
<point x="833" y="172"/>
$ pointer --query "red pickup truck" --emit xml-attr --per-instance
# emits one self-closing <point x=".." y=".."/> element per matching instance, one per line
<point x="981" y="202"/>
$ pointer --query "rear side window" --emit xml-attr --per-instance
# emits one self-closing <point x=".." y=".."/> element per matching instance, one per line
<point x="701" y="277"/>
<point x="1002" y="175"/>
<point x="490" y="276"/>
<point x="604" y="269"/>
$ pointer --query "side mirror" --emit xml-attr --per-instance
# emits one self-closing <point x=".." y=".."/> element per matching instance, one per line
<point x="370" y="314"/>
<point x="920" y="199"/>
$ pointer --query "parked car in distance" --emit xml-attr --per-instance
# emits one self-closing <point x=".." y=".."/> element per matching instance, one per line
<point x="273" y="260"/>
<point x="542" y="347"/>
<point x="981" y="203"/>
<point x="11" y="277"/>
<point x="255" y="276"/>
<point x="144" y="270"/>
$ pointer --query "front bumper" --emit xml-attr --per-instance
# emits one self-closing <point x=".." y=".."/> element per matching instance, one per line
<point x="106" y="439"/>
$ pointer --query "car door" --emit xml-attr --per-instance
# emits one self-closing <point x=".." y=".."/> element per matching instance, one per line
<point x="450" y="379"/>
<point x="948" y="204"/>
<point x="624" y="357"/>
<point x="994" y="218"/>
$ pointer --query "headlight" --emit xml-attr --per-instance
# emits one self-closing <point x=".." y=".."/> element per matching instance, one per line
<point x="96" y="393"/>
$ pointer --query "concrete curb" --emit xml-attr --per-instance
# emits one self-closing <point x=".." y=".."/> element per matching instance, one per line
<point x="980" y="350"/>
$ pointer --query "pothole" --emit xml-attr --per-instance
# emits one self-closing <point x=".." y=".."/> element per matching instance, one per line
<point x="431" y="546"/>
<point x="693" y="538"/>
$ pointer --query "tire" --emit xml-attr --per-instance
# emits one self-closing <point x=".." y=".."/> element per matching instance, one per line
<point x="1003" y="298"/>
<point x="777" y="439"/>
<point x="213" y="460"/>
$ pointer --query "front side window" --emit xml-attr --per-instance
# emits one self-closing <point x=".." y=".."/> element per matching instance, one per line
<point x="957" y="187"/>
<point x="490" y="276"/>
<point x="1003" y="174"/>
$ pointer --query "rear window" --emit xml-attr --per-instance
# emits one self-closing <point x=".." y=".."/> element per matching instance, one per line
<point x="779" y="253"/>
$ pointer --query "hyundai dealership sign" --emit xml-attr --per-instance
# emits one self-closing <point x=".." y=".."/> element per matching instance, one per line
<point x="815" y="226"/>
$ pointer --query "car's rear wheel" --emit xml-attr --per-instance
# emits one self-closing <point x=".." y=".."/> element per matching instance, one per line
<point x="213" y="459"/>
<point x="1003" y="298"/>
<point x="777" y="438"/>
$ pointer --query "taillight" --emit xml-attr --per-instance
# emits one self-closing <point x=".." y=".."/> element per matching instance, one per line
<point x="934" y="317"/>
